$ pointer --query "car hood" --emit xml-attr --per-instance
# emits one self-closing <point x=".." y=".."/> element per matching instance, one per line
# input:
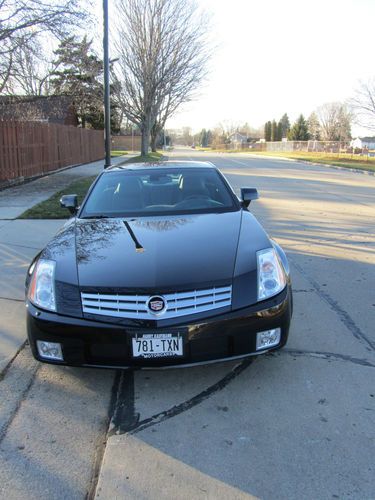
<point x="157" y="253"/>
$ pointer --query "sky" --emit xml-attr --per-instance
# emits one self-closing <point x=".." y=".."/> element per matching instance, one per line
<point x="281" y="56"/>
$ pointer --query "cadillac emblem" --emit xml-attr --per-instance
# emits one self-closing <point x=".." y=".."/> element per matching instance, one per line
<point x="156" y="304"/>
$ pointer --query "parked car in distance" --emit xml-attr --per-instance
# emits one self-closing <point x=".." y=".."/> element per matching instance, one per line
<point x="162" y="265"/>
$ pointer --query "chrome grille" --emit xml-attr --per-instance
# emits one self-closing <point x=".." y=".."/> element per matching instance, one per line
<point x="177" y="304"/>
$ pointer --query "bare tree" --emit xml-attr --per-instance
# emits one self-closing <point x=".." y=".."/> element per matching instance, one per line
<point x="223" y="130"/>
<point x="163" y="52"/>
<point x="220" y="134"/>
<point x="363" y="104"/>
<point x="23" y="21"/>
<point x="31" y="71"/>
<point x="172" y="102"/>
<point x="335" y="121"/>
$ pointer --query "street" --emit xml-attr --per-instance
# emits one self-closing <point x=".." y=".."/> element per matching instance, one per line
<point x="299" y="423"/>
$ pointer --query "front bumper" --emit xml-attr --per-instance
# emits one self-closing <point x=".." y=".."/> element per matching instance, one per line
<point x="99" y="344"/>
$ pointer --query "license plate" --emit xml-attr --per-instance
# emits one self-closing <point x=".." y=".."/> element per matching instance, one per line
<point x="157" y="345"/>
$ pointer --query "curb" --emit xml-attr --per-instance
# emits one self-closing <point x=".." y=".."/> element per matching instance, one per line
<point x="337" y="167"/>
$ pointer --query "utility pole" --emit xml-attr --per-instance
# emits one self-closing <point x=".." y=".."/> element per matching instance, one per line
<point x="107" y="106"/>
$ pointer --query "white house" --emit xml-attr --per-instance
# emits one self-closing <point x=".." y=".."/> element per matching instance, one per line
<point x="363" y="142"/>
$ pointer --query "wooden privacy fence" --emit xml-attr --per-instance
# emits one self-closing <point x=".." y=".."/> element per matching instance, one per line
<point x="126" y="142"/>
<point x="32" y="148"/>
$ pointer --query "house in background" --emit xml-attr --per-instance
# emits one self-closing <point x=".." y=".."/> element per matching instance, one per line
<point x="237" y="139"/>
<point x="49" y="109"/>
<point x="363" y="142"/>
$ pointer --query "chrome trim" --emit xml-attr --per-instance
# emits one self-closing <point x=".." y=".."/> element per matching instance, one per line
<point x="185" y="365"/>
<point x="162" y="310"/>
<point x="177" y="304"/>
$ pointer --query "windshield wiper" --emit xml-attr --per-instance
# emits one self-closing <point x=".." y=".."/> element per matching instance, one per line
<point x="99" y="216"/>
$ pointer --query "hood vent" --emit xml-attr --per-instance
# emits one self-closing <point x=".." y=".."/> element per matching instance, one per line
<point x="169" y="305"/>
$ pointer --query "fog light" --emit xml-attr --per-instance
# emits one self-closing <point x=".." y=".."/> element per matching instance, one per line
<point x="49" y="350"/>
<point x="269" y="338"/>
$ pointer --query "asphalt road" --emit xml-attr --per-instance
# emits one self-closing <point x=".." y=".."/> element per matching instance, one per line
<point x="296" y="424"/>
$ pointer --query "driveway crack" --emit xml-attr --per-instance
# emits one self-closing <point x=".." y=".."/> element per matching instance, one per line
<point x="344" y="316"/>
<point x="22" y="396"/>
<point x="329" y="356"/>
<point x="195" y="400"/>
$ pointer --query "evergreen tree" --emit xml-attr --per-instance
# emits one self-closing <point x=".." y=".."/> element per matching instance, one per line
<point x="267" y="131"/>
<point x="209" y="137"/>
<point x="274" y="131"/>
<point x="299" y="131"/>
<point x="285" y="126"/>
<point x="203" y="138"/>
<point x="279" y="131"/>
<point x="314" y="127"/>
<point x="78" y="75"/>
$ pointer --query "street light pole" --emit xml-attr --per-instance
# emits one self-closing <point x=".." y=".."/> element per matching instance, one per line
<point x="107" y="106"/>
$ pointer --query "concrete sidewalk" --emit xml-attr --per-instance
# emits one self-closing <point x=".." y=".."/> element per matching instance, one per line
<point x="21" y="240"/>
<point x="15" y="200"/>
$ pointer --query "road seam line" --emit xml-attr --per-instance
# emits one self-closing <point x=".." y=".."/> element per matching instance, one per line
<point x="103" y="439"/>
<point x="13" y="300"/>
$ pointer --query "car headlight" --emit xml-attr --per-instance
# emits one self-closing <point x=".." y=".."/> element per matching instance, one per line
<point x="42" y="286"/>
<point x="271" y="276"/>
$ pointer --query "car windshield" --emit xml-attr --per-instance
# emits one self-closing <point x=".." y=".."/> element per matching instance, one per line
<point x="162" y="191"/>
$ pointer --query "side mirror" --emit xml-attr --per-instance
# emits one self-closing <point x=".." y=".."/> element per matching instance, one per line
<point x="69" y="201"/>
<point x="248" y="195"/>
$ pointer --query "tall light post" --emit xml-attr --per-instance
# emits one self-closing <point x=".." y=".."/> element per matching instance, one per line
<point x="107" y="105"/>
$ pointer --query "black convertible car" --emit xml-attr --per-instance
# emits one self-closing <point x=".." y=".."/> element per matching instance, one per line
<point x="162" y="265"/>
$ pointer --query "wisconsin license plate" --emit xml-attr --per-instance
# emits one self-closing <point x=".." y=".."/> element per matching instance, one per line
<point x="157" y="345"/>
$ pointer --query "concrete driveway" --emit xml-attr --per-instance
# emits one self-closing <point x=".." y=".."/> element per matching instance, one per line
<point x="296" y="424"/>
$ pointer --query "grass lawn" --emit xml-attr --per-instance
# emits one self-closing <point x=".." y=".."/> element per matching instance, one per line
<point x="150" y="158"/>
<point x="50" y="209"/>
<point x="338" y="160"/>
<point x="343" y="160"/>
<point x="116" y="153"/>
<point x="221" y="150"/>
